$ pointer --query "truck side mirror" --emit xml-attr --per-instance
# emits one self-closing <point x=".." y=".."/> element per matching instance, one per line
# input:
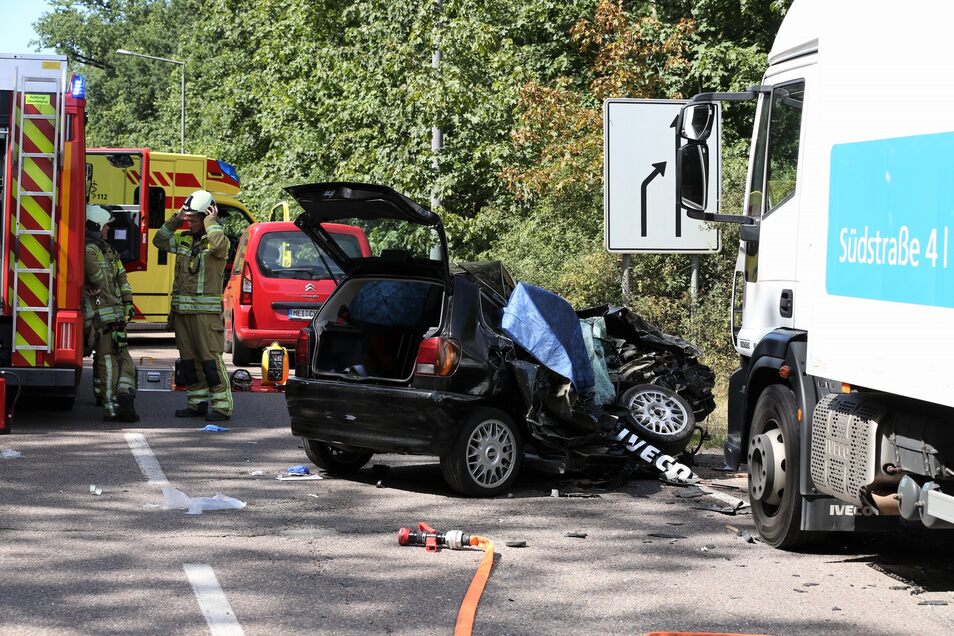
<point x="697" y="121"/>
<point x="692" y="176"/>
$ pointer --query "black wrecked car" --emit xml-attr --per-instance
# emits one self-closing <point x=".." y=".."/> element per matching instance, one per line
<point x="409" y="355"/>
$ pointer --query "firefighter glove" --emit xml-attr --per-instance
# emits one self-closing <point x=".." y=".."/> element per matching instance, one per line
<point x="120" y="340"/>
<point x="129" y="312"/>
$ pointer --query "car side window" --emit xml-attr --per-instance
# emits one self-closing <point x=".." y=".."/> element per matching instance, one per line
<point x="491" y="312"/>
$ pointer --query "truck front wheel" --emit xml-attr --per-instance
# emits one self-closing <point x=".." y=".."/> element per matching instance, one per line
<point x="773" y="457"/>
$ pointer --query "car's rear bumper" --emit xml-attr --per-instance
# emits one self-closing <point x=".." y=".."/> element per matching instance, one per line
<point x="380" y="418"/>
<point x="258" y="338"/>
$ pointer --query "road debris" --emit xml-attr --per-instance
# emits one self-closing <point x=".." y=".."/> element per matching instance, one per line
<point x="178" y="500"/>
<point x="575" y="535"/>
<point x="96" y="490"/>
<point x="690" y="492"/>
<point x="745" y="535"/>
<point x="932" y="602"/>
<point x="741" y="508"/>
<point x="516" y="544"/>
<point x="308" y="477"/>
<point x="301" y="469"/>
<point x="9" y="453"/>
<point x="667" y="535"/>
<point x="212" y="428"/>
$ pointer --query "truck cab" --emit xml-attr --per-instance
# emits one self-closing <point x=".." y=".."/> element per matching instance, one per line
<point x="843" y="292"/>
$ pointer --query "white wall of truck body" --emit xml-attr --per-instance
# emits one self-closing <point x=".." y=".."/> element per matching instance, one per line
<point x="882" y="72"/>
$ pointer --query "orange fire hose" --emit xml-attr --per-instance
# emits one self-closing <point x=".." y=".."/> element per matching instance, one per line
<point x="468" y="607"/>
<point x="432" y="540"/>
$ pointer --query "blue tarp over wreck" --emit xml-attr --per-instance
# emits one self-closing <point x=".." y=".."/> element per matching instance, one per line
<point x="546" y="327"/>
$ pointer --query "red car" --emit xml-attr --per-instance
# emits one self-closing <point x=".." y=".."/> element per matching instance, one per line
<point x="278" y="281"/>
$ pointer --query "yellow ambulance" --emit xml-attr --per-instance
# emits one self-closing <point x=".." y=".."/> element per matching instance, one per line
<point x="116" y="179"/>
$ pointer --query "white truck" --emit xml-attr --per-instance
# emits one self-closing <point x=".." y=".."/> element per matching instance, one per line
<point x="843" y="299"/>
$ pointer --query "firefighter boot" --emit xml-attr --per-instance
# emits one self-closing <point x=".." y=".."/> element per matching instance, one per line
<point x="199" y="412"/>
<point x="216" y="416"/>
<point x="126" y="411"/>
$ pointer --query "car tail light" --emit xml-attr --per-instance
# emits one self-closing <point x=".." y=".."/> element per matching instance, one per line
<point x="246" y="297"/>
<point x="302" y="353"/>
<point x="437" y="356"/>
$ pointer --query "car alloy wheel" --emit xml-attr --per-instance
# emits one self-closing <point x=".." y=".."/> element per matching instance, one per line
<point x="486" y="456"/>
<point x="490" y="453"/>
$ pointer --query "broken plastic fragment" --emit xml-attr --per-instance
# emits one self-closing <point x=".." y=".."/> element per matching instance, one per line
<point x="516" y="544"/>
<point x="676" y="474"/>
<point x="9" y="453"/>
<point x="298" y="477"/>
<point x="96" y="490"/>
<point x="257" y="473"/>
<point x="176" y="499"/>
<point x="576" y="535"/>
<point x="746" y="536"/>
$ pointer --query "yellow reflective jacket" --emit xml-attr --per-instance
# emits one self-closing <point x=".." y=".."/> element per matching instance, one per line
<point x="105" y="289"/>
<point x="200" y="266"/>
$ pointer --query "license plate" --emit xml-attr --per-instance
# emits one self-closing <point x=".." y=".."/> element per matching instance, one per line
<point x="301" y="314"/>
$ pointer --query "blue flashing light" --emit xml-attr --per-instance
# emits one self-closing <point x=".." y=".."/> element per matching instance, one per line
<point x="78" y="86"/>
<point x="229" y="170"/>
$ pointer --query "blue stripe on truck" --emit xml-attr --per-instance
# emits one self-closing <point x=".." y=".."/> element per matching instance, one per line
<point x="891" y="220"/>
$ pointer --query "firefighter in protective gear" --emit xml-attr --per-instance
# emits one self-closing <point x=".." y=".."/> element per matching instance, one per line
<point x="107" y="304"/>
<point x="196" y="315"/>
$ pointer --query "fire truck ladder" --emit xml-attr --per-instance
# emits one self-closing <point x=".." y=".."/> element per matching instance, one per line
<point x="33" y="292"/>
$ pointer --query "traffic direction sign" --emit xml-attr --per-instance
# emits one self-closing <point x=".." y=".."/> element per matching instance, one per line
<point x="639" y="180"/>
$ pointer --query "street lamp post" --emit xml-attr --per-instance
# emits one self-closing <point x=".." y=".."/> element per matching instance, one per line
<point x="182" y="65"/>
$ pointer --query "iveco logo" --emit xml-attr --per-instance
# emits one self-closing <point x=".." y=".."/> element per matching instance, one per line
<point x="310" y="287"/>
<point x="838" y="449"/>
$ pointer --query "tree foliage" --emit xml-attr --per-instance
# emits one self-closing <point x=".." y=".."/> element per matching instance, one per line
<point x="292" y="91"/>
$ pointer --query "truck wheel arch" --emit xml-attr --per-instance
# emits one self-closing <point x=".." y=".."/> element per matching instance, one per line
<point x="782" y="347"/>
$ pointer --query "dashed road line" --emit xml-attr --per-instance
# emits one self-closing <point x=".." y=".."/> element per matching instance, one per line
<point x="148" y="463"/>
<point x="215" y="606"/>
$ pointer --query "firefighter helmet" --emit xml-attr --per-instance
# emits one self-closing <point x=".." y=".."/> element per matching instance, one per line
<point x="198" y="202"/>
<point x="98" y="216"/>
<point x="241" y="380"/>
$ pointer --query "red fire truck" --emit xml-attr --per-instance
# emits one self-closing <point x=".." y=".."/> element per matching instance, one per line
<point x="42" y="207"/>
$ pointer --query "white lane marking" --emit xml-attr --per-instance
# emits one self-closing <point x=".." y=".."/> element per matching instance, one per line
<point x="215" y="606"/>
<point x="722" y="496"/>
<point x="148" y="463"/>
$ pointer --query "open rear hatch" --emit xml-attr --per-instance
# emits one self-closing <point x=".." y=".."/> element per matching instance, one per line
<point x="404" y="238"/>
<point x="393" y="291"/>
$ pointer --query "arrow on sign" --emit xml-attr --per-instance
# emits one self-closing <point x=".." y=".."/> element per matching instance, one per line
<point x="658" y="169"/>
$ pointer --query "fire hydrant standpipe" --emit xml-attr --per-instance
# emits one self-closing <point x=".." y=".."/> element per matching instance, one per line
<point x="456" y="540"/>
